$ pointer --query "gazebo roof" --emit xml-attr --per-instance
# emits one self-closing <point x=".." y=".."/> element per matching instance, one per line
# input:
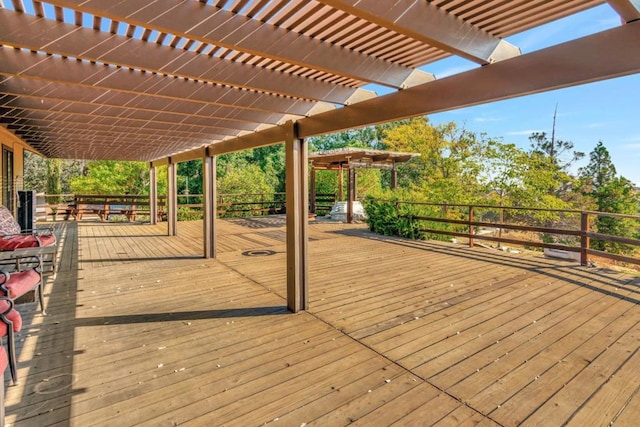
<point x="358" y="157"/>
<point x="141" y="80"/>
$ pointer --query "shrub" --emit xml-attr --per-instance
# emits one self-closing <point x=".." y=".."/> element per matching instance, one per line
<point x="187" y="214"/>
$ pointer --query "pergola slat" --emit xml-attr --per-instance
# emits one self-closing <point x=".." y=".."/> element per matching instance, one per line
<point x="235" y="69"/>
<point x="96" y="110"/>
<point x="15" y="62"/>
<point x="431" y="25"/>
<point x="209" y="24"/>
<point x="36" y="34"/>
<point x="26" y="87"/>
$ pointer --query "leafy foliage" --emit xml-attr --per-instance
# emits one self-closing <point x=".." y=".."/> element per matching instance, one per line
<point x="113" y="177"/>
<point x="612" y="194"/>
<point x="35" y="172"/>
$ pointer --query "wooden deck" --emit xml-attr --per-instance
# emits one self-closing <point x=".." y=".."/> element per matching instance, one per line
<point x="142" y="331"/>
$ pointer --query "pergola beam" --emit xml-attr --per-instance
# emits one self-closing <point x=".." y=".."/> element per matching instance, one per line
<point x="212" y="25"/>
<point x="40" y="34"/>
<point x="430" y="24"/>
<point x="580" y="61"/>
<point x="629" y="10"/>
<point x="609" y="54"/>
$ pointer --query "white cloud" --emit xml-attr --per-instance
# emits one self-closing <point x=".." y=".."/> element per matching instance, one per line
<point x="596" y="125"/>
<point x="486" y="119"/>
<point x="523" y="132"/>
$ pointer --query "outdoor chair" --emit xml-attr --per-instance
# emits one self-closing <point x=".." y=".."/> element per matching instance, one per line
<point x="22" y="247"/>
<point x="16" y="284"/>
<point x="10" y="323"/>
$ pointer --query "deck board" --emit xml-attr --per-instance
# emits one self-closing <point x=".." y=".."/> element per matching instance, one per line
<point x="143" y="331"/>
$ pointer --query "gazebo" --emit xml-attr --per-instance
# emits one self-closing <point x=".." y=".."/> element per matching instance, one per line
<point x="351" y="158"/>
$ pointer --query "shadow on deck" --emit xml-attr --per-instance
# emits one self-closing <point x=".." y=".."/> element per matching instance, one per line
<point x="142" y="331"/>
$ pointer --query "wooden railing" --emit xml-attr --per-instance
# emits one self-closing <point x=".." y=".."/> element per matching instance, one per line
<point x="73" y="206"/>
<point x="67" y="206"/>
<point x="564" y="230"/>
<point x="236" y="205"/>
<point x="253" y="204"/>
<point x="323" y="203"/>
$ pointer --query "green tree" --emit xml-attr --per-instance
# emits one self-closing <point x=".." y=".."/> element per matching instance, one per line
<point x="504" y="167"/>
<point x="115" y="177"/>
<point x="248" y="179"/>
<point x="35" y="172"/>
<point x="560" y="153"/>
<point x="612" y="194"/>
<point x="189" y="179"/>
<point x="53" y="180"/>
<point x="449" y="163"/>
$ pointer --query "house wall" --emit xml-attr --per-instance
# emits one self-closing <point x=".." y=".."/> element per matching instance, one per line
<point x="15" y="144"/>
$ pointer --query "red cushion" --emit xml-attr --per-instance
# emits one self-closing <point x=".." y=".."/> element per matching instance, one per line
<point x="21" y="282"/>
<point x="13" y="315"/>
<point x="26" y="241"/>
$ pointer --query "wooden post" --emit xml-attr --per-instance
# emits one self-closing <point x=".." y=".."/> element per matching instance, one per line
<point x="340" y="183"/>
<point x="584" y="239"/>
<point x="471" y="226"/>
<point x="394" y="177"/>
<point x="296" y="152"/>
<point x="172" y="199"/>
<point x="210" y="202"/>
<point x="351" y="193"/>
<point x="500" y="229"/>
<point x="153" y="195"/>
<point x="312" y="183"/>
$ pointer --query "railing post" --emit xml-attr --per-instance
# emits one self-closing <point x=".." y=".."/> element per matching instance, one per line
<point x="584" y="238"/>
<point x="312" y="190"/>
<point x="471" y="226"/>
<point x="500" y="229"/>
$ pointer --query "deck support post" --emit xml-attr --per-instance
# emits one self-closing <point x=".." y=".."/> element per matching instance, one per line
<point x="172" y="199"/>
<point x="340" y="183"/>
<point x="312" y="191"/>
<point x="394" y="177"/>
<point x="210" y="205"/>
<point x="153" y="195"/>
<point x="351" y="193"/>
<point x="296" y="152"/>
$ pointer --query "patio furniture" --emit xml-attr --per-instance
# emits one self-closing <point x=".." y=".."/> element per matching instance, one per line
<point x="16" y="284"/>
<point x="10" y="323"/>
<point x="18" y="246"/>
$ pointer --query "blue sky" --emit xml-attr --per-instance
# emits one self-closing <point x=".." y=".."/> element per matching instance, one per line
<point x="607" y="111"/>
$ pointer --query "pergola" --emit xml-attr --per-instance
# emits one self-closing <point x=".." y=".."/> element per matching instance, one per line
<point x="167" y="81"/>
<point x="352" y="158"/>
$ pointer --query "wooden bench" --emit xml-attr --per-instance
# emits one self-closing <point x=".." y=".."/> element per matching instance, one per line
<point x="130" y="206"/>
